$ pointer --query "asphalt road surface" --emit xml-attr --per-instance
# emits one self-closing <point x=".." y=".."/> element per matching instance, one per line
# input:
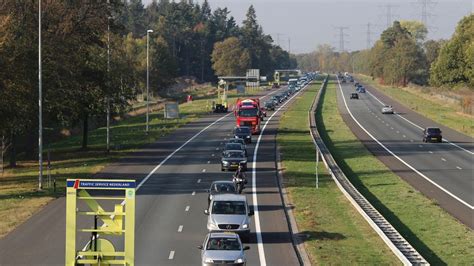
<point x="443" y="171"/>
<point x="173" y="175"/>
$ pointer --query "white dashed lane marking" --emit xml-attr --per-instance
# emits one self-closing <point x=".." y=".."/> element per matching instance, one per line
<point x="430" y="152"/>
<point x="171" y="256"/>
<point x="199" y="180"/>
<point x="458" y="167"/>
<point x="186" y="209"/>
<point x="180" y="229"/>
<point x="194" y="193"/>
<point x="442" y="159"/>
<point x="203" y="170"/>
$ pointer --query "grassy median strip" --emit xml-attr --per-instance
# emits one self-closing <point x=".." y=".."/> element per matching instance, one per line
<point x="445" y="114"/>
<point x="336" y="233"/>
<point x="19" y="198"/>
<point x="433" y="232"/>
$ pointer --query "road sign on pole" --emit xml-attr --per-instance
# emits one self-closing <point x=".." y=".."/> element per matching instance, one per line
<point x="117" y="222"/>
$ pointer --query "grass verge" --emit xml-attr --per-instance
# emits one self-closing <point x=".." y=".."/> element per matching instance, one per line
<point x="337" y="234"/>
<point x="433" y="232"/>
<point x="19" y="197"/>
<point x="442" y="113"/>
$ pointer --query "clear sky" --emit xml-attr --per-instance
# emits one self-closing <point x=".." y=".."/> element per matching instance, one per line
<point x="311" y="22"/>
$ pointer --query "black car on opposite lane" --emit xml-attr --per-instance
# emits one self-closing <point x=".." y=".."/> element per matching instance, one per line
<point x="354" y="96"/>
<point x="432" y="134"/>
<point x="231" y="160"/>
<point x="244" y="133"/>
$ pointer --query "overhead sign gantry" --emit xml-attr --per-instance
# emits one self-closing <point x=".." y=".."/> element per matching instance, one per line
<point x="119" y="220"/>
<point x="285" y="74"/>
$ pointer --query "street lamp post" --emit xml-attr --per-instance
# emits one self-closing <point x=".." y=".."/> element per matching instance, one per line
<point x="108" y="84"/>
<point x="40" y="111"/>
<point x="147" y="79"/>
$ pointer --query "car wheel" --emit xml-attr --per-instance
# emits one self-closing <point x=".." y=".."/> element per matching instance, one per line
<point x="222" y="169"/>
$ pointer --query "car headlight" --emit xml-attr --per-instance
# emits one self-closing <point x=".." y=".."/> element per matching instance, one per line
<point x="245" y="226"/>
<point x="212" y="226"/>
<point x="225" y="162"/>
<point x="239" y="260"/>
<point x="208" y="260"/>
<point x="243" y="161"/>
<point x="247" y="137"/>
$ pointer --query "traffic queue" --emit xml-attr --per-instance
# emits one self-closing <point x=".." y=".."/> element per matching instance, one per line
<point x="228" y="211"/>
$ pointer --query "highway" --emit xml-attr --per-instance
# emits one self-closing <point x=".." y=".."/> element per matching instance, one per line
<point x="173" y="175"/>
<point x="442" y="171"/>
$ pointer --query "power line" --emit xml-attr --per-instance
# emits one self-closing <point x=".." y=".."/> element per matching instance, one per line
<point x="389" y="14"/>
<point x="425" y="11"/>
<point x="341" y="37"/>
<point x="369" y="35"/>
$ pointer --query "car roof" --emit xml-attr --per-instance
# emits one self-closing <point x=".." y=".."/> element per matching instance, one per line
<point x="230" y="197"/>
<point x="233" y="143"/>
<point x="239" y="151"/>
<point x="224" y="234"/>
<point x="222" y="181"/>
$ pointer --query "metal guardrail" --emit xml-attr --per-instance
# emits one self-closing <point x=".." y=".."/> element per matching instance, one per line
<point x="394" y="240"/>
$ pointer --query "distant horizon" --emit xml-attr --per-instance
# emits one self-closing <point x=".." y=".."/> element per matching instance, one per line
<point x="308" y="27"/>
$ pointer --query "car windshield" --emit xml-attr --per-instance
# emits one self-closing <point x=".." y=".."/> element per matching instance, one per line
<point x="434" y="130"/>
<point x="248" y="112"/>
<point x="245" y="130"/>
<point x="228" y="207"/>
<point x="268" y="104"/>
<point x="233" y="146"/>
<point x="223" y="243"/>
<point x="233" y="154"/>
<point x="223" y="188"/>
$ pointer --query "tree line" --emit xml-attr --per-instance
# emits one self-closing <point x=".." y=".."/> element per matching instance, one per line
<point x="402" y="55"/>
<point x="80" y="77"/>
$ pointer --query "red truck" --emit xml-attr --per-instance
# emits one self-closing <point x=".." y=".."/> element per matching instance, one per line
<point x="248" y="113"/>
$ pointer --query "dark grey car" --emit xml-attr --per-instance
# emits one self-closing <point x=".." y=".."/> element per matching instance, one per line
<point x="244" y="133"/>
<point x="235" y="147"/>
<point x="221" y="187"/>
<point x="231" y="160"/>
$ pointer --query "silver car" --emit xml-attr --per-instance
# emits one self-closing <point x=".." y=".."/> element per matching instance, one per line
<point x="387" y="109"/>
<point x="229" y="213"/>
<point x="222" y="248"/>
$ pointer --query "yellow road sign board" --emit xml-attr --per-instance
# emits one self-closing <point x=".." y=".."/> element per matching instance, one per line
<point x="119" y="221"/>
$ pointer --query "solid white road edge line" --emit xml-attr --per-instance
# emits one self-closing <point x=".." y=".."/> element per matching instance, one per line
<point x="400" y="159"/>
<point x="417" y="126"/>
<point x="258" y="230"/>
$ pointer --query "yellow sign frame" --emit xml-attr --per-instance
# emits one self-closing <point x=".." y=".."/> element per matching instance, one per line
<point x="113" y="222"/>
